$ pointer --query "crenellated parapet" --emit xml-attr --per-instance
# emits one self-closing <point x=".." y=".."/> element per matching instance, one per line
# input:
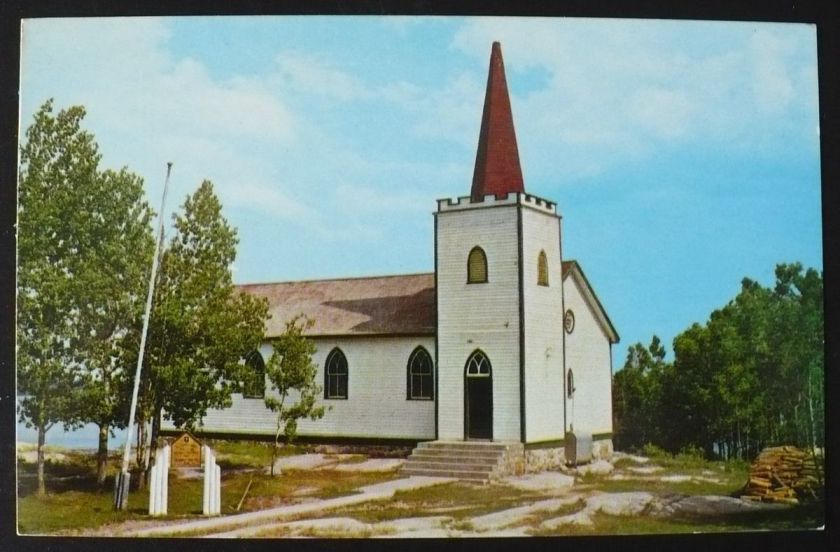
<point x="491" y="200"/>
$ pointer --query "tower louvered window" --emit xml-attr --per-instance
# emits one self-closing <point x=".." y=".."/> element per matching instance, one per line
<point x="542" y="269"/>
<point x="421" y="383"/>
<point x="476" y="266"/>
<point x="335" y="375"/>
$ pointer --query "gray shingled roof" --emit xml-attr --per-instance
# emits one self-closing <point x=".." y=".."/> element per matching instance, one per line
<point x="398" y="305"/>
<point x="404" y="304"/>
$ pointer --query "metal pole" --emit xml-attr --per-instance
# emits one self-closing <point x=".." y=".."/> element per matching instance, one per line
<point x="121" y="490"/>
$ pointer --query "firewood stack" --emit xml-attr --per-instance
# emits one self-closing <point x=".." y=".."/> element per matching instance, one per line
<point x="782" y="474"/>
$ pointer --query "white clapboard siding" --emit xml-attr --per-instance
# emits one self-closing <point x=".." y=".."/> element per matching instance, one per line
<point x="543" y="328"/>
<point x="588" y="356"/>
<point x="478" y="316"/>
<point x="376" y="406"/>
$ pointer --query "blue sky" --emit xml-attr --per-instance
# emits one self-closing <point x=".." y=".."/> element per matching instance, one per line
<point x="683" y="155"/>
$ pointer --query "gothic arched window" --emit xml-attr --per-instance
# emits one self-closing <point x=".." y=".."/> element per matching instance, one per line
<point x="476" y="266"/>
<point x="254" y="385"/>
<point x="478" y="365"/>
<point x="542" y="269"/>
<point x="335" y="375"/>
<point x="570" y="384"/>
<point x="421" y="380"/>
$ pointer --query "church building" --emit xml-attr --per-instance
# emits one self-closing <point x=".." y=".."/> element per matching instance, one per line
<point x="504" y="343"/>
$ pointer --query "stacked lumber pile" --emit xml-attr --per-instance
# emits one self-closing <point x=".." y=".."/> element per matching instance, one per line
<point x="782" y="474"/>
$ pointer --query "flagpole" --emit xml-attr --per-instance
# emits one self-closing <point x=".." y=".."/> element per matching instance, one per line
<point x="123" y="478"/>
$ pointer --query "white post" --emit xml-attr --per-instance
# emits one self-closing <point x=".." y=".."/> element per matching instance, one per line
<point x="153" y="488"/>
<point x="159" y="484"/>
<point x="217" y="496"/>
<point x="212" y="499"/>
<point x="206" y="496"/>
<point x="165" y="493"/>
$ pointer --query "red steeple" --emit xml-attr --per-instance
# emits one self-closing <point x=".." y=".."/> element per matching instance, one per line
<point x="497" y="169"/>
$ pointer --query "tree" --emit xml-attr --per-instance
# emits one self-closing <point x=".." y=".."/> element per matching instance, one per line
<point x="83" y="234"/>
<point x="113" y="277"/>
<point x="200" y="326"/>
<point x="291" y="372"/>
<point x="751" y="376"/>
<point x="79" y="233"/>
<point x="637" y="395"/>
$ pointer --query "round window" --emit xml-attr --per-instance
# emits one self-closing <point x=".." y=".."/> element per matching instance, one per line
<point x="569" y="321"/>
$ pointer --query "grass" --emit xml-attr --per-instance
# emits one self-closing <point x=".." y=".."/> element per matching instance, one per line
<point x="75" y="504"/>
<point x="731" y="476"/>
<point x="469" y="499"/>
<point x="249" y="454"/>
<point x="729" y="486"/>
<point x="323" y="532"/>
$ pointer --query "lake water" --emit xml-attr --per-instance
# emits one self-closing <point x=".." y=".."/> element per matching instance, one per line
<point x="86" y="437"/>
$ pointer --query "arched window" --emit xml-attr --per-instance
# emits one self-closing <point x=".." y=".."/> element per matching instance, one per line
<point x="335" y="375"/>
<point x="570" y="384"/>
<point x="476" y="266"/>
<point x="478" y="365"/>
<point x="421" y="380"/>
<point x="254" y="385"/>
<point x="542" y="269"/>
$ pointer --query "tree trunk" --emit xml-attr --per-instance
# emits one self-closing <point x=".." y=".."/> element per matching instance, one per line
<point x="811" y="426"/>
<point x="102" y="455"/>
<point x="42" y="437"/>
<point x="141" y="455"/>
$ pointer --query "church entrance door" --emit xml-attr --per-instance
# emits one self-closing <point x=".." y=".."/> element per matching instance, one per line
<point x="478" y="397"/>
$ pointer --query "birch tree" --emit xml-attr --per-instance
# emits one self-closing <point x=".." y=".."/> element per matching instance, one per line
<point x="292" y="373"/>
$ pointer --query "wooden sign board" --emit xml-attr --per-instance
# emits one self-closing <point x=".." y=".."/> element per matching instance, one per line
<point x="186" y="451"/>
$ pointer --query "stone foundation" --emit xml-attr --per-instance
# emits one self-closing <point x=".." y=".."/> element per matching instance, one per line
<point x="554" y="457"/>
<point x="542" y="459"/>
<point x="602" y="449"/>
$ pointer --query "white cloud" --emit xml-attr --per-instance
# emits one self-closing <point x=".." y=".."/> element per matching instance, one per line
<point x="665" y="113"/>
<point x="451" y="112"/>
<point x="313" y="74"/>
<point x="772" y="85"/>
<point x="145" y="107"/>
<point x="620" y="89"/>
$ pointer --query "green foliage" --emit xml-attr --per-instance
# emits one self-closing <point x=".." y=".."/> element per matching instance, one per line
<point x="291" y="372"/>
<point x="752" y="376"/>
<point x="83" y="236"/>
<point x="200" y="326"/>
<point x="637" y="393"/>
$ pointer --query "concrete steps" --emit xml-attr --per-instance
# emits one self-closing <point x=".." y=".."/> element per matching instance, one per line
<point x="467" y="460"/>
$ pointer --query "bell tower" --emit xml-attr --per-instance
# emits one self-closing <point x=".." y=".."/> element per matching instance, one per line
<point x="499" y="295"/>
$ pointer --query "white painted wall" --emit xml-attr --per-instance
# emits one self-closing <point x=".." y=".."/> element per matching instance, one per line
<point x="376" y="406"/>
<point x="588" y="355"/>
<point x="543" y="328"/>
<point x="478" y="316"/>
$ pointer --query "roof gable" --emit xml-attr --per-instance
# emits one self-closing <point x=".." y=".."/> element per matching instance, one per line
<point x="572" y="269"/>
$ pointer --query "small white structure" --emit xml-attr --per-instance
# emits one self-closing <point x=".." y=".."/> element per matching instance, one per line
<point x="159" y="484"/>
<point x="505" y="341"/>
<point x="212" y="503"/>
